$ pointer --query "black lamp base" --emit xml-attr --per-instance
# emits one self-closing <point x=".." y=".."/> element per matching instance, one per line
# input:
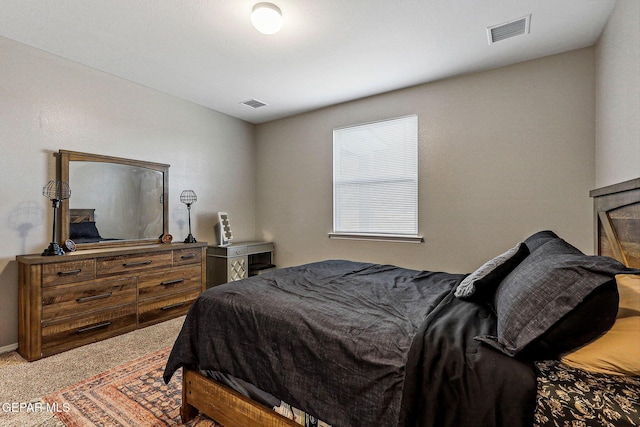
<point x="190" y="239"/>
<point x="53" y="249"/>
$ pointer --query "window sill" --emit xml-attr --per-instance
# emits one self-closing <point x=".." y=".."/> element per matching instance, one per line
<point x="377" y="237"/>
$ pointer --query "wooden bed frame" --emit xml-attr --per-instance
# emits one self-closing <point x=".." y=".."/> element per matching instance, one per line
<point x="617" y="234"/>
<point x="617" y="221"/>
<point x="224" y="405"/>
<point x="81" y="215"/>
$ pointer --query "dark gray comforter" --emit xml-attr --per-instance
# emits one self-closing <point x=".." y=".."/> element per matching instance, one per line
<point x="359" y="344"/>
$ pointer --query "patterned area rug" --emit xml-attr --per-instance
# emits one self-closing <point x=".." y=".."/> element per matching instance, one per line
<point x="133" y="394"/>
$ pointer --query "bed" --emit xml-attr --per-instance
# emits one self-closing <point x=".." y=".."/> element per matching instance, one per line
<point x="352" y="343"/>
<point x="82" y="226"/>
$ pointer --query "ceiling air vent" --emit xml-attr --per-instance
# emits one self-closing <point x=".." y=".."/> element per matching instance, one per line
<point x="254" y="103"/>
<point x="509" y="29"/>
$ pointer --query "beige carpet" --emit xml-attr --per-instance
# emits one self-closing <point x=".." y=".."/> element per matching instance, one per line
<point x="27" y="382"/>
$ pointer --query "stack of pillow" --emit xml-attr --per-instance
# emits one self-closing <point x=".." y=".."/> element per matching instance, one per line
<point x="551" y="300"/>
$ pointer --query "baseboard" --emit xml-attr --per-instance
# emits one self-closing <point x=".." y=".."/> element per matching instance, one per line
<point x="8" y="348"/>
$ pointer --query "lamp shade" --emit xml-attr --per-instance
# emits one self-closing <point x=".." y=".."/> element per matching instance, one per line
<point x="188" y="197"/>
<point x="266" y="18"/>
<point x="56" y="190"/>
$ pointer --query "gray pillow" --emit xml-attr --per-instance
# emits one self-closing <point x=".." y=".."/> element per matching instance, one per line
<point x="480" y="285"/>
<point x="538" y="239"/>
<point x="543" y="290"/>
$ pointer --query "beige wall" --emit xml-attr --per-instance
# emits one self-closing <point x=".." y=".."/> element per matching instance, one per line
<point x="48" y="103"/>
<point x="502" y="154"/>
<point x="618" y="96"/>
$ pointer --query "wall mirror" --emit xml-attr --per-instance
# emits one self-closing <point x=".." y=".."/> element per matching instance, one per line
<point x="114" y="201"/>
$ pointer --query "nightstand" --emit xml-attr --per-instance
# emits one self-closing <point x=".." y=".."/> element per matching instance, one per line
<point x="238" y="261"/>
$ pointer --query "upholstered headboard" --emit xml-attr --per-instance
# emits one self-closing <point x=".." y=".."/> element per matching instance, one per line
<point x="617" y="217"/>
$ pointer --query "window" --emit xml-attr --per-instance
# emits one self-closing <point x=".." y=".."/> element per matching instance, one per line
<point x="375" y="180"/>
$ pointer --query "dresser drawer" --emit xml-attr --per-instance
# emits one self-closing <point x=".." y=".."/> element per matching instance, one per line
<point x="62" y="335"/>
<point x="68" y="272"/>
<point x="125" y="264"/>
<point x="187" y="256"/>
<point x="75" y="299"/>
<point x="159" y="309"/>
<point x="169" y="282"/>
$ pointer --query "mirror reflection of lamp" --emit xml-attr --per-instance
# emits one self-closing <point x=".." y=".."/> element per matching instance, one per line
<point x="188" y="197"/>
<point x="56" y="191"/>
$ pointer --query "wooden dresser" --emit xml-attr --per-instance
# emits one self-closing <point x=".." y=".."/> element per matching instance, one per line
<point x="90" y="295"/>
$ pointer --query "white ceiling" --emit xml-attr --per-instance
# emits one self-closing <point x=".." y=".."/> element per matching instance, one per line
<point x="328" y="51"/>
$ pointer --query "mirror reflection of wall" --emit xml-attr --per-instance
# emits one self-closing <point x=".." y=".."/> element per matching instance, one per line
<point x="127" y="199"/>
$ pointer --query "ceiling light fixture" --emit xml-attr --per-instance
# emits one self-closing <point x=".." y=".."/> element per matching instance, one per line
<point x="266" y="17"/>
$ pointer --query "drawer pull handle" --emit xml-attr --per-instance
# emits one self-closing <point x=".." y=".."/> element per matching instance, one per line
<point x="188" y="256"/>
<point x="172" y="282"/>
<point x="169" y="307"/>
<point x="70" y="272"/>
<point x="135" y="264"/>
<point x="94" y="297"/>
<point x="94" y="327"/>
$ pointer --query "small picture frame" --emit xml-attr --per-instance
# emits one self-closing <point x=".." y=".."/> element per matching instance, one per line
<point x="224" y="229"/>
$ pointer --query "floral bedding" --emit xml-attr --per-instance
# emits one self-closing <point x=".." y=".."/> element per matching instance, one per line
<point x="571" y="397"/>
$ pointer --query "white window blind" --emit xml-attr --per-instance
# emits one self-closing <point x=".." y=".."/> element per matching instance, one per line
<point x="375" y="178"/>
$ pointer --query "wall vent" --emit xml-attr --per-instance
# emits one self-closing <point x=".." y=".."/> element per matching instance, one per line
<point x="254" y="103"/>
<point x="517" y="27"/>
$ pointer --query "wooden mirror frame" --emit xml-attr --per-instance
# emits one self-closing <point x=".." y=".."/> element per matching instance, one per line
<point x="65" y="156"/>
